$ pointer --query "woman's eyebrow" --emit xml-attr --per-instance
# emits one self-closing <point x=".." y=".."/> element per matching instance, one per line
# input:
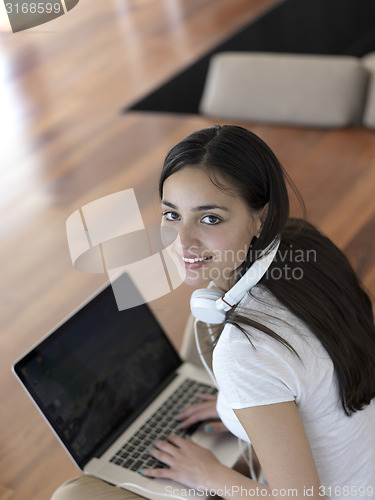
<point x="199" y="208"/>
<point x="168" y="204"/>
<point x="203" y="208"/>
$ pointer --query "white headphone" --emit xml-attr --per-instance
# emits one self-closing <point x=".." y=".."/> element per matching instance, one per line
<point x="210" y="305"/>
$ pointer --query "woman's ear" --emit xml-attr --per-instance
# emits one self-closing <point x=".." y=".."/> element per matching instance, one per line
<point x="261" y="217"/>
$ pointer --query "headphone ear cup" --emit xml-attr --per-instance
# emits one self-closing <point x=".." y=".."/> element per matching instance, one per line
<point x="203" y="306"/>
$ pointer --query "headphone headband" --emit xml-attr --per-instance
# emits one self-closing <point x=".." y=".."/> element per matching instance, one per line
<point x="250" y="278"/>
<point x="210" y="306"/>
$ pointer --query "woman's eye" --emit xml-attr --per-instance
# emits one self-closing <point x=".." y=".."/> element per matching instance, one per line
<point x="211" y="220"/>
<point x="171" y="216"/>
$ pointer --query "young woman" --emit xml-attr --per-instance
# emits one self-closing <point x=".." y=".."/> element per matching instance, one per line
<point x="294" y="360"/>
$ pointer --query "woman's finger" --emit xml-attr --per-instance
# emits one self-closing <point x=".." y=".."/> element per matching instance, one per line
<point x="215" y="428"/>
<point x="165" y="445"/>
<point x="208" y="400"/>
<point x="157" y="473"/>
<point x="207" y="397"/>
<point x="206" y="406"/>
<point x="198" y="412"/>
<point x="163" y="451"/>
<point x="178" y="441"/>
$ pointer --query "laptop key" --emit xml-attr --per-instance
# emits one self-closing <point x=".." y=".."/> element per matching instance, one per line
<point x="137" y="465"/>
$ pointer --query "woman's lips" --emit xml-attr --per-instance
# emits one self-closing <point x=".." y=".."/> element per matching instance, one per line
<point x="194" y="262"/>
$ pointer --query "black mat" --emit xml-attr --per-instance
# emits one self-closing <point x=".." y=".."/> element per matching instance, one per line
<point x="296" y="26"/>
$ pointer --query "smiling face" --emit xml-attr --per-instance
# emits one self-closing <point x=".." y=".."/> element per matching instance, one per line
<point x="215" y="226"/>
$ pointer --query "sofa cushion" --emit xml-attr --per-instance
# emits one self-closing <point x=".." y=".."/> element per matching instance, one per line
<point x="369" y="111"/>
<point x="311" y="90"/>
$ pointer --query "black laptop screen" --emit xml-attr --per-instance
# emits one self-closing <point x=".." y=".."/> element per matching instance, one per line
<point x="96" y="371"/>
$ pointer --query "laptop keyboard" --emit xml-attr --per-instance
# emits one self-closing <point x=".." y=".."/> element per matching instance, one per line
<point x="134" y="454"/>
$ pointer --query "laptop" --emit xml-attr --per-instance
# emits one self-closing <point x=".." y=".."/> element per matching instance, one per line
<point x="109" y="382"/>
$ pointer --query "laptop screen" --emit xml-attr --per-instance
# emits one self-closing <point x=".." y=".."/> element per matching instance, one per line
<point x="97" y="371"/>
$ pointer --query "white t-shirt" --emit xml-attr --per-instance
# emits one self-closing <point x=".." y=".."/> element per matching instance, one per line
<point x="343" y="447"/>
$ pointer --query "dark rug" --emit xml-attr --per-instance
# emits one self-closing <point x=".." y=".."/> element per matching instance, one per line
<point x="296" y="26"/>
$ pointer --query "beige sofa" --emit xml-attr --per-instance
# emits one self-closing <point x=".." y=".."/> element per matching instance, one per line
<point x="292" y="89"/>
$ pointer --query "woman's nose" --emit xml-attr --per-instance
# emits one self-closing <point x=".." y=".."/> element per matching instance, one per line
<point x="188" y="237"/>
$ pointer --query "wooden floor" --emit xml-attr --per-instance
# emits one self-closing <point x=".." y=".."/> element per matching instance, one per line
<point x="64" y="143"/>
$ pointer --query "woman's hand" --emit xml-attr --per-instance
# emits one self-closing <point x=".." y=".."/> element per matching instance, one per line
<point x="189" y="463"/>
<point x="204" y="411"/>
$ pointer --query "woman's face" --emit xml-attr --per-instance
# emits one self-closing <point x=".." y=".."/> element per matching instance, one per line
<point x="215" y="227"/>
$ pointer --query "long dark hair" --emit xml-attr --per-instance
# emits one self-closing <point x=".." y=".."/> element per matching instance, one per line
<point x="325" y="293"/>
